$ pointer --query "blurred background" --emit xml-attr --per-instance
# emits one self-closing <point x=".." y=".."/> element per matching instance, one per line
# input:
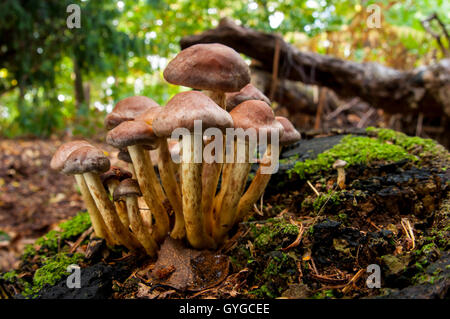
<point x="57" y="83"/>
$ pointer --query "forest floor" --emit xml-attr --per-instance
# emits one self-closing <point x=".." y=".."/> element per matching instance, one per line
<point x="307" y="239"/>
<point x="33" y="198"/>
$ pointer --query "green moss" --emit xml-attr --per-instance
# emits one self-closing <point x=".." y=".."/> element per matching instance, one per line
<point x="354" y="150"/>
<point x="55" y="238"/>
<point x="53" y="269"/>
<point x="269" y="236"/>
<point x="384" y="145"/>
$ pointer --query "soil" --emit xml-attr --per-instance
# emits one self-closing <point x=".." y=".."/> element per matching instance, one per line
<point x="298" y="244"/>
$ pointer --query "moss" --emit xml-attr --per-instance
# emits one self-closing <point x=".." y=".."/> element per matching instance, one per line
<point x="278" y="273"/>
<point x="269" y="237"/>
<point x="384" y="145"/>
<point x="50" y="242"/>
<point x="53" y="269"/>
<point x="354" y="150"/>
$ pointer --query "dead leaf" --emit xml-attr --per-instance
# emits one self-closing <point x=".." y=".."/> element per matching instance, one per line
<point x="187" y="269"/>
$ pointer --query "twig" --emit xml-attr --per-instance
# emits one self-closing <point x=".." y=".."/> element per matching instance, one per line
<point x="297" y="241"/>
<point x="276" y="61"/>
<point x="353" y="281"/>
<point x="313" y="188"/>
<point x="320" y="106"/>
<point x="419" y="124"/>
<point x="80" y="239"/>
<point x="409" y="231"/>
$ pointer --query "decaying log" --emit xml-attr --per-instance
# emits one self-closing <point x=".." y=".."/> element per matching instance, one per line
<point x="294" y="95"/>
<point x="424" y="89"/>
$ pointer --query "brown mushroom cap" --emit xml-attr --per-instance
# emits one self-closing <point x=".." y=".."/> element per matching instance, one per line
<point x="127" y="187"/>
<point x="248" y="92"/>
<point x="128" y="109"/>
<point x="132" y="133"/>
<point x="63" y="152"/>
<point x="124" y="156"/>
<point x="290" y="135"/>
<point x="186" y="107"/>
<point x="339" y="163"/>
<point x="86" y="159"/>
<point x="211" y="66"/>
<point x="258" y="115"/>
<point x="114" y="172"/>
<point x="149" y="115"/>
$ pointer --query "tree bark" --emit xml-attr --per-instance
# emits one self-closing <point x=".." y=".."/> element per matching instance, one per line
<point x="424" y="89"/>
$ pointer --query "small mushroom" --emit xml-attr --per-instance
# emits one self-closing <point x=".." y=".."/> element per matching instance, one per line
<point x="90" y="161"/>
<point x="181" y="112"/>
<point x="248" y="92"/>
<point x="340" y="166"/>
<point x="57" y="163"/>
<point x="111" y="179"/>
<point x="213" y="67"/>
<point x="137" y="136"/>
<point x="258" y="185"/>
<point x="128" y="191"/>
<point x="251" y="114"/>
<point x="128" y="109"/>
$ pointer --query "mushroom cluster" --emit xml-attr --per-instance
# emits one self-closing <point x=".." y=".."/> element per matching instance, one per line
<point x="184" y="201"/>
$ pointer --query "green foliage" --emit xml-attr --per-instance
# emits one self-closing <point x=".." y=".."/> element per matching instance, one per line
<point x="268" y="236"/>
<point x="52" y="270"/>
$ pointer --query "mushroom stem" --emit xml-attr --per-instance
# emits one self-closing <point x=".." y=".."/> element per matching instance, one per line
<point x="120" y="206"/>
<point x="98" y="223"/>
<point x="256" y="188"/>
<point x="149" y="184"/>
<point x="210" y="179"/>
<point x="191" y="187"/>
<point x="131" y="168"/>
<point x="106" y="208"/>
<point x="212" y="171"/>
<point x="341" y="177"/>
<point x="218" y="97"/>
<point x="141" y="232"/>
<point x="233" y="185"/>
<point x="171" y="188"/>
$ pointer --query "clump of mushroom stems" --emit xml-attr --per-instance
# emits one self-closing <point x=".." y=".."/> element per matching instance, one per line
<point x="200" y="216"/>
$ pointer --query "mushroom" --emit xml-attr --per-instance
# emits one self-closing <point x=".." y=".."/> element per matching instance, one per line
<point x="127" y="110"/>
<point x="90" y="161"/>
<point x="216" y="69"/>
<point x="57" y="164"/>
<point x="183" y="111"/>
<point x="111" y="179"/>
<point x="128" y="191"/>
<point x="167" y="172"/>
<point x="249" y="115"/>
<point x="248" y="92"/>
<point x="339" y="165"/>
<point x="258" y="185"/>
<point x="212" y="67"/>
<point x="136" y="136"/>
